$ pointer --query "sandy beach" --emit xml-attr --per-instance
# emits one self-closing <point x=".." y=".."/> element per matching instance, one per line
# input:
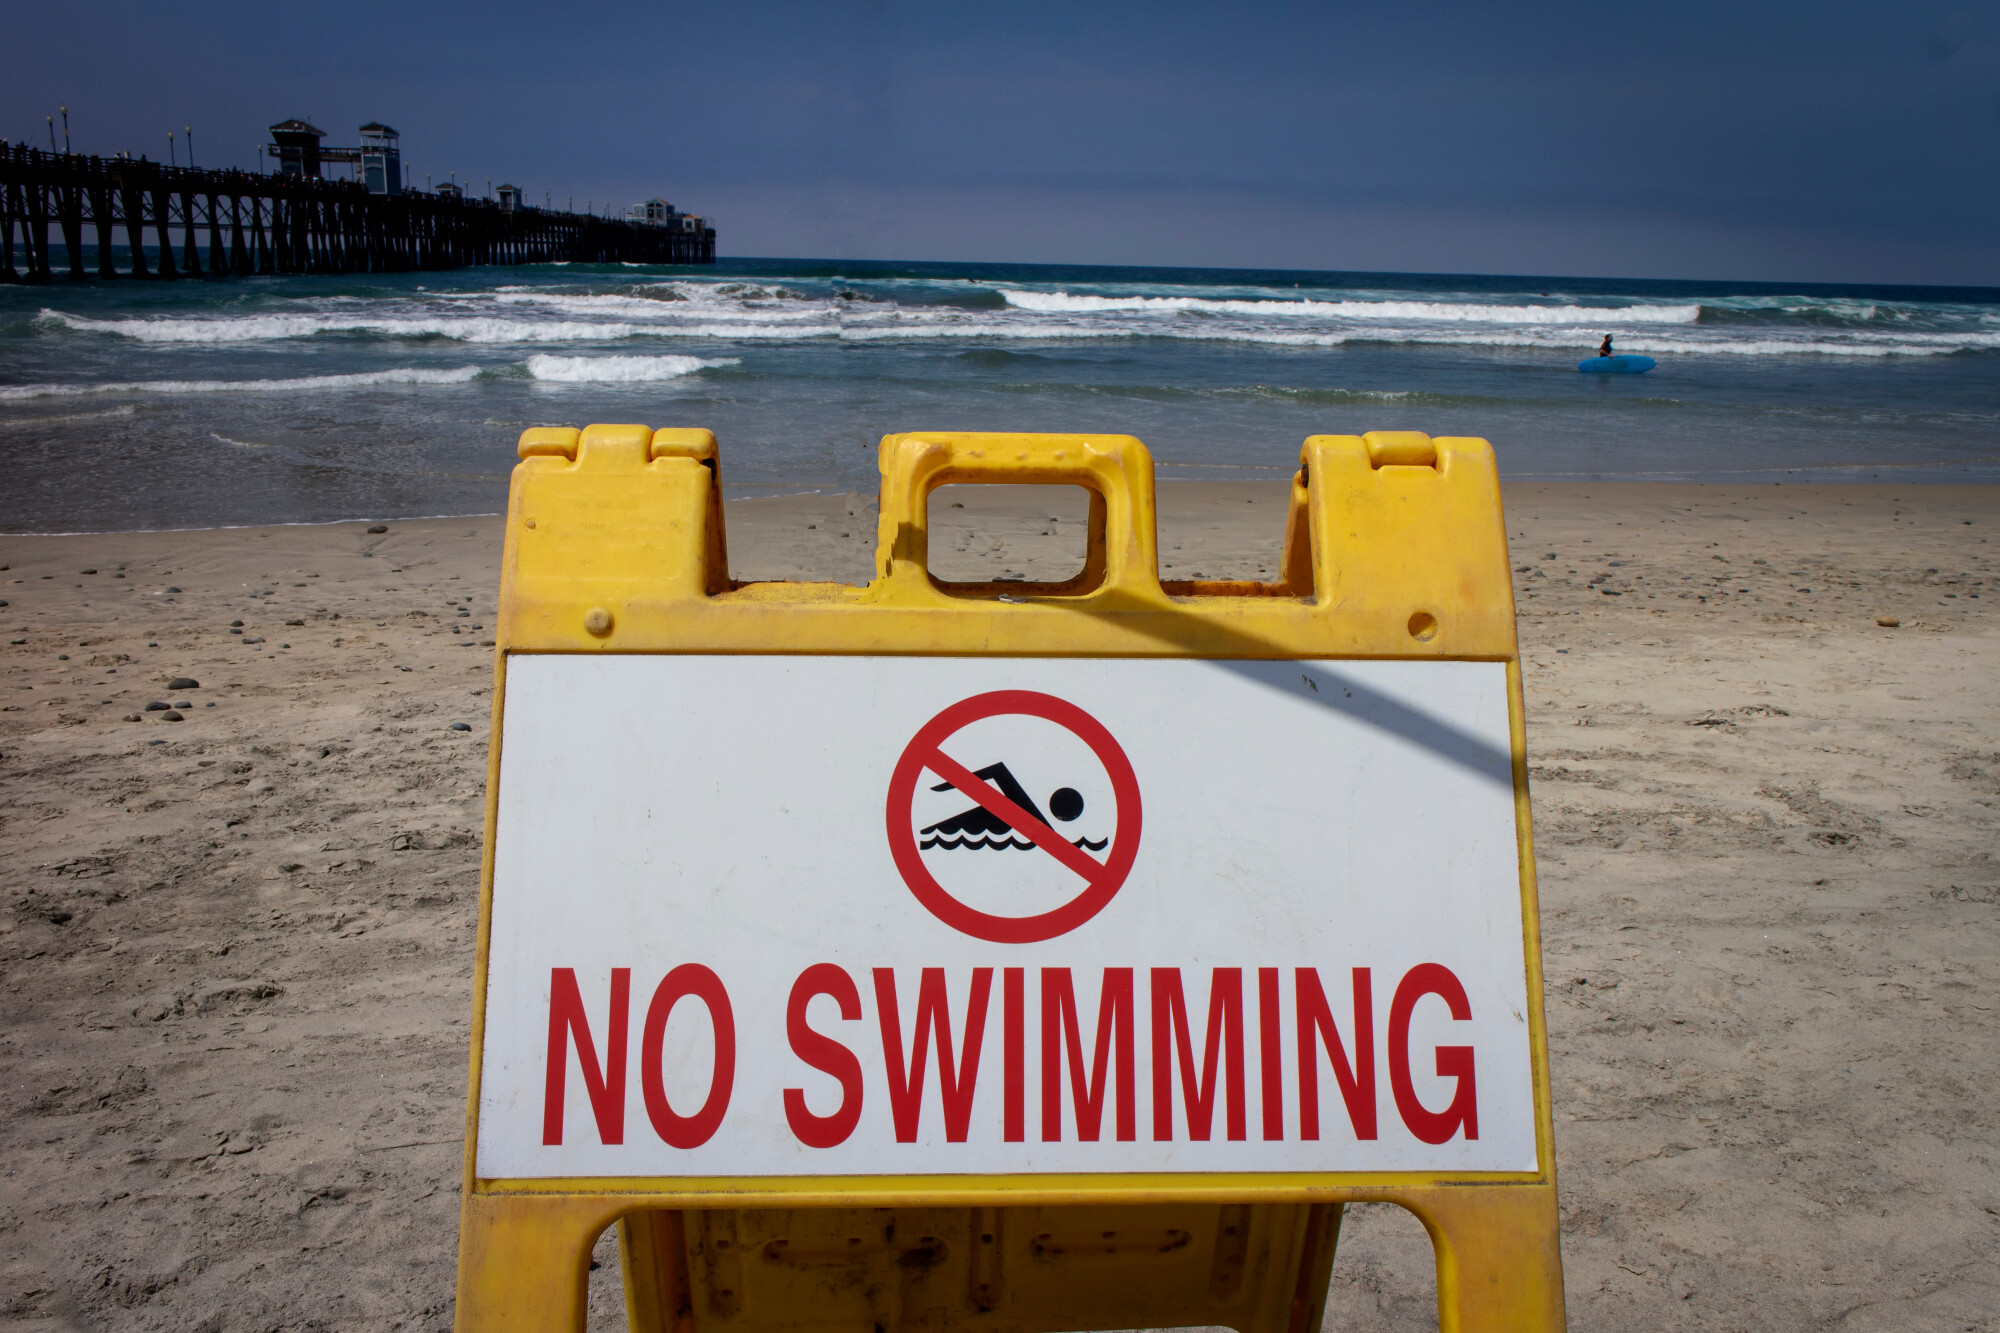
<point x="237" y="944"/>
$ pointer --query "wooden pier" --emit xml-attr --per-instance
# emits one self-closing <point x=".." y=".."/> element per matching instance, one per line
<point x="216" y="224"/>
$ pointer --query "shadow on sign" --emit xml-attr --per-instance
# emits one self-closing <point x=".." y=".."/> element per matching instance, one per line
<point x="1260" y="661"/>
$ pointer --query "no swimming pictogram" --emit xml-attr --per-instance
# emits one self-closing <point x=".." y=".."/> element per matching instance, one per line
<point x="1040" y="733"/>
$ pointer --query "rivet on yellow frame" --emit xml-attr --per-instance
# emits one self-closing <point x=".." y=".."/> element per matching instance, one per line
<point x="1004" y="955"/>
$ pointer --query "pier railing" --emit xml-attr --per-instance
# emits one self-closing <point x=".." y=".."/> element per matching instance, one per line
<point x="203" y="223"/>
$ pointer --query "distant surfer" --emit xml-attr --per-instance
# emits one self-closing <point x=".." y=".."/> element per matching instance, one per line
<point x="1604" y="348"/>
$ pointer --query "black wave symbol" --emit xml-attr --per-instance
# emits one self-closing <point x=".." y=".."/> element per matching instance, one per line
<point x="980" y="829"/>
<point x="1008" y="843"/>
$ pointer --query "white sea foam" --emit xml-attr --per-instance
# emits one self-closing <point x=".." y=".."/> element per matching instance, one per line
<point x="1808" y="305"/>
<point x="660" y="308"/>
<point x="265" y="328"/>
<point x="306" y="383"/>
<point x="619" y="369"/>
<point x="1457" y="312"/>
<point x="1906" y="345"/>
<point x="22" y="423"/>
<point x="750" y="332"/>
<point x="1913" y="344"/>
<point x="978" y="330"/>
<point x="689" y="310"/>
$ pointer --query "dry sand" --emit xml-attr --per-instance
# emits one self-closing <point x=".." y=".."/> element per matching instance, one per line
<point x="237" y="948"/>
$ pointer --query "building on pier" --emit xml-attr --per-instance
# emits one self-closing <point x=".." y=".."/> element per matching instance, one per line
<point x="295" y="144"/>
<point x="652" y="213"/>
<point x="659" y="213"/>
<point x="378" y="162"/>
<point x="381" y="159"/>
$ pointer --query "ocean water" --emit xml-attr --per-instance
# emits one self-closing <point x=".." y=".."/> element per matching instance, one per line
<point x="131" y="405"/>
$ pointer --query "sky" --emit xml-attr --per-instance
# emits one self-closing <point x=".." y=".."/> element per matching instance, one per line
<point x="1801" y="142"/>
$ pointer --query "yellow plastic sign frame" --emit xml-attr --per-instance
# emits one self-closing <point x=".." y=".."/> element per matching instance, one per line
<point x="1395" y="548"/>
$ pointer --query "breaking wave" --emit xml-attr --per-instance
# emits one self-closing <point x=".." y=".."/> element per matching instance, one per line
<point x="66" y="418"/>
<point x="1430" y="311"/>
<point x="1940" y="344"/>
<point x="265" y="328"/>
<point x="304" y="383"/>
<point x="619" y="369"/>
<point x="888" y="310"/>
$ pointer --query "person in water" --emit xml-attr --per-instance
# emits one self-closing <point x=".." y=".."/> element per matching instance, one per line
<point x="1604" y="348"/>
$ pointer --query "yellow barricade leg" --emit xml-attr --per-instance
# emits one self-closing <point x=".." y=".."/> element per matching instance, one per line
<point x="524" y="1261"/>
<point x="1499" y="1259"/>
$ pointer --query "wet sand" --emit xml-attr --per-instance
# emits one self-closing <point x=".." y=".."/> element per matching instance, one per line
<point x="236" y="948"/>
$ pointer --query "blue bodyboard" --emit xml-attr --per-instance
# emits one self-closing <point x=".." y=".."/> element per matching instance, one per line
<point x="1617" y="365"/>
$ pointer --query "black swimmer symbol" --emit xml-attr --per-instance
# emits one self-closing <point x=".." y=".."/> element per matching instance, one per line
<point x="981" y="828"/>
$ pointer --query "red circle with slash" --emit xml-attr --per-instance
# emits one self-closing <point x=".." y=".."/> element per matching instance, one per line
<point x="1101" y="879"/>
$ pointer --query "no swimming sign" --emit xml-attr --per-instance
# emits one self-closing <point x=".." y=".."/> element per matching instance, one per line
<point x="1306" y="955"/>
<point x="1009" y="957"/>
<point x="1047" y="735"/>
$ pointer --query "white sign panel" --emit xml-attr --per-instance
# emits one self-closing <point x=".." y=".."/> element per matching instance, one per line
<point x="821" y="916"/>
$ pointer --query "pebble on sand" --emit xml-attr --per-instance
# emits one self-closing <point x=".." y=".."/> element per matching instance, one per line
<point x="378" y="527"/>
<point x="157" y="707"/>
<point x="1887" y="622"/>
<point x="183" y="683"/>
<point x="460" y="726"/>
<point x="171" y="716"/>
